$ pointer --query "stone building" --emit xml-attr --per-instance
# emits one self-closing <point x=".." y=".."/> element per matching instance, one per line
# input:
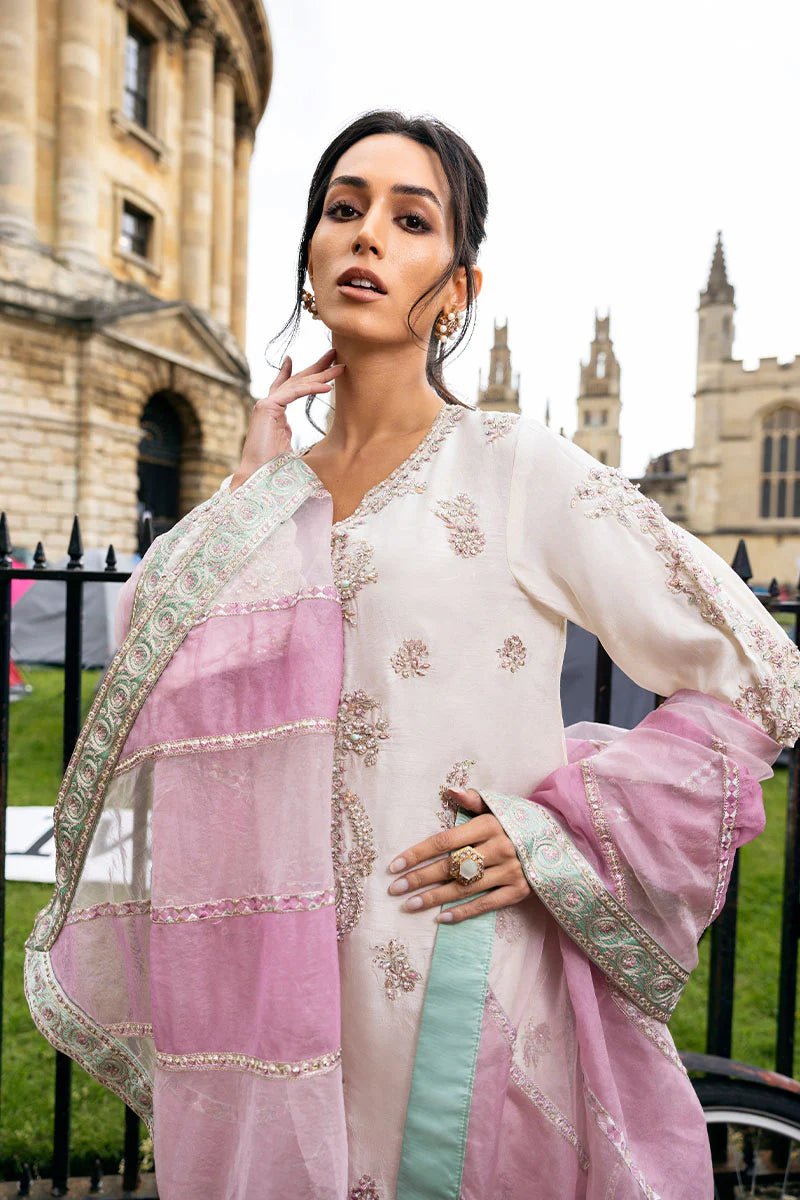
<point x="126" y="133"/>
<point x="741" y="477"/>
<point x="501" y="393"/>
<point x="599" y="403"/>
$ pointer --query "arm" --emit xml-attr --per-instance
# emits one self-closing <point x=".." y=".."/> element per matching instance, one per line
<point x="644" y="828"/>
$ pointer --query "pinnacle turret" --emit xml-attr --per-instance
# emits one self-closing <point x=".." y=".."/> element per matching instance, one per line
<point x="718" y="289"/>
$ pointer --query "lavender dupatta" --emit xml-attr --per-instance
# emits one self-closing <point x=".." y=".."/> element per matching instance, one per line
<point x="188" y="956"/>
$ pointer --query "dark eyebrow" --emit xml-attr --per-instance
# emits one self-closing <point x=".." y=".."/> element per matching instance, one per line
<point x="403" y="189"/>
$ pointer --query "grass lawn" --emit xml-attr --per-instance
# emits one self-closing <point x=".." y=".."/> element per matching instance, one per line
<point x="98" y="1116"/>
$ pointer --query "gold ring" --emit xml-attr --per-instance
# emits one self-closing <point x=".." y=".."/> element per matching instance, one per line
<point x="466" y="865"/>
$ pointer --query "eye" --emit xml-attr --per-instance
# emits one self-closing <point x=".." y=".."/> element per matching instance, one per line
<point x="422" y="227"/>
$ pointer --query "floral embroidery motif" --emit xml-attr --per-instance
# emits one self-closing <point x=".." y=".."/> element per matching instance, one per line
<point x="365" y="1189"/>
<point x="411" y="658"/>
<point x="400" y="975"/>
<point x="775" y="701"/>
<point x="608" y="1126"/>
<point x="457" y="777"/>
<point x="352" y="569"/>
<point x="537" y="1041"/>
<point x="545" y="1105"/>
<point x="508" y="924"/>
<point x="607" y="845"/>
<point x="567" y="884"/>
<point x="656" y="1031"/>
<point x="359" y="730"/>
<point x="460" y="515"/>
<point x="496" y="424"/>
<point x="512" y="653"/>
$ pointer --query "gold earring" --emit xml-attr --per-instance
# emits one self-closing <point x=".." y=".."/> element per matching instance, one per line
<point x="310" y="304"/>
<point x="446" y="324"/>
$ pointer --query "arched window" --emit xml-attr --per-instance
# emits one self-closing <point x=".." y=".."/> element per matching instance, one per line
<point x="159" y="463"/>
<point x="601" y="365"/>
<point x="780" y="463"/>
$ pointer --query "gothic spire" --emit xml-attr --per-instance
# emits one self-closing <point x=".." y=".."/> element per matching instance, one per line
<point x="718" y="289"/>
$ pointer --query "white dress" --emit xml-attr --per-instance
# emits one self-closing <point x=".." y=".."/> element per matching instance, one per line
<point x="457" y="575"/>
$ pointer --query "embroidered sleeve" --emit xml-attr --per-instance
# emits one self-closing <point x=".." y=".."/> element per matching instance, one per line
<point x="586" y="544"/>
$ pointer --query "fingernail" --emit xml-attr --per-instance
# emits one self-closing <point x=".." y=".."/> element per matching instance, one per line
<point x="399" y="885"/>
<point x="414" y="902"/>
<point x="397" y="865"/>
<point x="444" y="918"/>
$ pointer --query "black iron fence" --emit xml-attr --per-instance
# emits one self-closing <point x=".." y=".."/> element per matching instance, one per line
<point x="722" y="932"/>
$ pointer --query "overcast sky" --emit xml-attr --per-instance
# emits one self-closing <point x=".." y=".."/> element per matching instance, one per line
<point x="616" y="138"/>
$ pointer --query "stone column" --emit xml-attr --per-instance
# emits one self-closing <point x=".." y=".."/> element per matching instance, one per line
<point x="198" y="146"/>
<point x="18" y="80"/>
<point x="77" y="138"/>
<point x="245" y="136"/>
<point x="222" y="240"/>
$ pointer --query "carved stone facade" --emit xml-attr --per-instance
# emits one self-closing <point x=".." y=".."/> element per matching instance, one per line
<point x="501" y="393"/>
<point x="127" y="129"/>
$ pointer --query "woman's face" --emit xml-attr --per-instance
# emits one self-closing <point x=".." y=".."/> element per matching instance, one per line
<point x="405" y="239"/>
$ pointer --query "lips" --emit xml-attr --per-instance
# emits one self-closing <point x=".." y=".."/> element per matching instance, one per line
<point x="356" y="273"/>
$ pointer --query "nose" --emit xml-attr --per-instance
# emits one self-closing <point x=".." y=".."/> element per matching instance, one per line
<point x="367" y="237"/>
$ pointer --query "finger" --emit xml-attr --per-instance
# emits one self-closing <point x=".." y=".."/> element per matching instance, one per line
<point x="500" y="897"/>
<point x="476" y="829"/>
<point x="435" y="872"/>
<point x="436" y="896"/>
<point x="468" y="798"/>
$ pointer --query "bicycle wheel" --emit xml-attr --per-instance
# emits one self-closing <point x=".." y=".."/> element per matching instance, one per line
<point x="754" y="1133"/>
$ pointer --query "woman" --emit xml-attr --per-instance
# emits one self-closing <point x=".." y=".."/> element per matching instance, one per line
<point x="339" y="908"/>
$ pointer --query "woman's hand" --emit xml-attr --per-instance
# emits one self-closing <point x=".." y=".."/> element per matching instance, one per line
<point x="268" y="433"/>
<point x="503" y="874"/>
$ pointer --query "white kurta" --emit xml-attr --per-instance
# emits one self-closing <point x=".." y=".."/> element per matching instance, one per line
<point x="457" y="575"/>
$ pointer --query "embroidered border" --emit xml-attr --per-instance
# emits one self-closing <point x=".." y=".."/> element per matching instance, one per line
<point x="236" y="906"/>
<point x="774" y="702"/>
<point x="269" y="496"/>
<point x="648" y="1026"/>
<point x="608" y="1126"/>
<point x="237" y="608"/>
<point x="228" y="1060"/>
<point x="129" y="1029"/>
<point x="224" y="741"/>
<point x="578" y="899"/>
<point x="548" y="1109"/>
<point x="730" y="805"/>
<point x="72" y="1031"/>
<point x="607" y="845"/>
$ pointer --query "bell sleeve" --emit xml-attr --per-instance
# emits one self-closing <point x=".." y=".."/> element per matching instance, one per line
<point x="631" y="842"/>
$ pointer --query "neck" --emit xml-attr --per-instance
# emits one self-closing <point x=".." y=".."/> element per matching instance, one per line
<point x="382" y="395"/>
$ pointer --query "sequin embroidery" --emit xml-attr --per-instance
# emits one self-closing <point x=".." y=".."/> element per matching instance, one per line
<point x="360" y="728"/>
<point x="508" y="924"/>
<point x="496" y="424"/>
<point x="457" y="777"/>
<point x="365" y="1189"/>
<point x="353" y="568"/>
<point x="537" y="1041"/>
<point x="411" y="658"/>
<point x="512" y="653"/>
<point x="464" y="533"/>
<point x="607" y="844"/>
<point x="608" y="1126"/>
<point x="657" y="1032"/>
<point x="774" y="702"/>
<point x="392" y="958"/>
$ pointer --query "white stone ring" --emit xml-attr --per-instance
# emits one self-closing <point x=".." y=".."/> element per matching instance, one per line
<point x="466" y="865"/>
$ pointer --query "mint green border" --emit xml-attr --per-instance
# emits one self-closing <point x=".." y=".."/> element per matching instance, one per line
<point x="437" y="1116"/>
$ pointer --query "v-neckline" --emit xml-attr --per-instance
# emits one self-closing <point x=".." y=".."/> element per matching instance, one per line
<point x="381" y="493"/>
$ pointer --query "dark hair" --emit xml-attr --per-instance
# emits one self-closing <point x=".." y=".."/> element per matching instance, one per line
<point x="470" y="202"/>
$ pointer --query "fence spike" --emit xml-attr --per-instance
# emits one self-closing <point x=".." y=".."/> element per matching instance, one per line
<point x="741" y="562"/>
<point x="39" y="557"/>
<point x="24" y="1188"/>
<point x="774" y="588"/>
<point x="75" y="548"/>
<point x="111" y="558"/>
<point x="148" y="532"/>
<point x="5" y="542"/>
